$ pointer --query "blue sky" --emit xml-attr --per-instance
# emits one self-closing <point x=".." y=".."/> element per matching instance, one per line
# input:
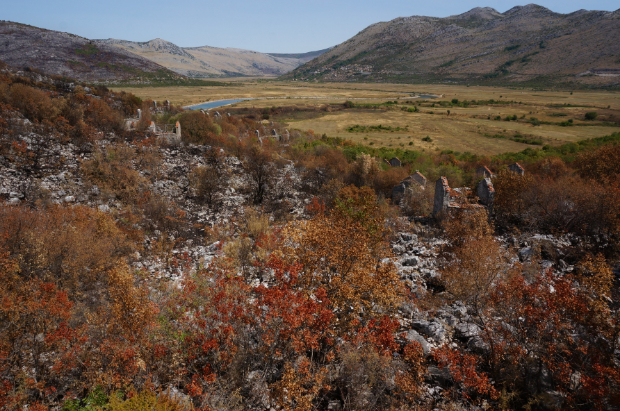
<point x="275" y="26"/>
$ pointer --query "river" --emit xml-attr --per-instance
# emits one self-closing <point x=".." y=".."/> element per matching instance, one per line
<point x="220" y="103"/>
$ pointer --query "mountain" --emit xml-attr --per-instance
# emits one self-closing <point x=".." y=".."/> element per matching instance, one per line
<point x="65" y="54"/>
<point x="213" y="61"/>
<point x="526" y="44"/>
<point x="303" y="57"/>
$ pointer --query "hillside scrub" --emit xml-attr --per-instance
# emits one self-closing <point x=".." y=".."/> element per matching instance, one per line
<point x="227" y="272"/>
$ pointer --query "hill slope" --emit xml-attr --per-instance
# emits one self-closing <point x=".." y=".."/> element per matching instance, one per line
<point x="528" y="44"/>
<point x="212" y="61"/>
<point x="65" y="54"/>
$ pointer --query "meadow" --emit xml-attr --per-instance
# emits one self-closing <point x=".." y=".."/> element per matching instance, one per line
<point x="485" y="120"/>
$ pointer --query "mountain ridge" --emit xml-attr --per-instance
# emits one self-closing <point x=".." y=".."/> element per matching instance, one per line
<point x="70" y="55"/>
<point x="209" y="61"/>
<point x="527" y="44"/>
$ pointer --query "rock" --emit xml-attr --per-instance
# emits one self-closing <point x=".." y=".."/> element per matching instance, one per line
<point x="69" y="199"/>
<point x="406" y="237"/>
<point x="436" y="375"/>
<point x="104" y="208"/>
<point x="525" y="254"/>
<point x="432" y="329"/>
<point x="408" y="309"/>
<point x="398" y="249"/>
<point x="545" y="264"/>
<point x="410" y="262"/>
<point x="466" y="330"/>
<point x="14" y="194"/>
<point x="412" y="335"/>
<point x="334" y="405"/>
<point x="459" y="310"/>
<point x="478" y="345"/>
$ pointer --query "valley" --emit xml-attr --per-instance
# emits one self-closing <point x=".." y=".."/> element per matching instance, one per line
<point x="477" y="123"/>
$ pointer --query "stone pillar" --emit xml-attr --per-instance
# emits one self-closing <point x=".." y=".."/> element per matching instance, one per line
<point x="139" y="114"/>
<point x="442" y="196"/>
<point x="486" y="193"/>
<point x="178" y="130"/>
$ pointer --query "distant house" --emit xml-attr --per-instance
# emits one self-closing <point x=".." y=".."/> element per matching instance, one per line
<point x="484" y="172"/>
<point x="399" y="191"/>
<point x="418" y="178"/>
<point x="395" y="162"/>
<point x="517" y="169"/>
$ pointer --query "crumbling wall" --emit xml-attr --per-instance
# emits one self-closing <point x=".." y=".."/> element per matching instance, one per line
<point x="486" y="193"/>
<point x="442" y="196"/>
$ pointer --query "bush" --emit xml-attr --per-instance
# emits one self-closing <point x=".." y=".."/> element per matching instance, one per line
<point x="591" y="115"/>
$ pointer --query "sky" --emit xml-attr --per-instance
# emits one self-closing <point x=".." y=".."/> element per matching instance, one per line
<point x="267" y="26"/>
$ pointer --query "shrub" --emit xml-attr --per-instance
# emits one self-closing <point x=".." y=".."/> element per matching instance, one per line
<point x="591" y="115"/>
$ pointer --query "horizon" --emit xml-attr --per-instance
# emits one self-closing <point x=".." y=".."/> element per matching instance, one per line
<point x="264" y="27"/>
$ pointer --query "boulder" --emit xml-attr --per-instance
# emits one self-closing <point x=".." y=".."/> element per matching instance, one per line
<point x="466" y="330"/>
<point x="412" y="336"/>
<point x="432" y="329"/>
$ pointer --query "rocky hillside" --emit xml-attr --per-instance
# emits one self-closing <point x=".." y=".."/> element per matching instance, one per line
<point x="221" y="271"/>
<point x="526" y="44"/>
<point x="208" y="61"/>
<point x="65" y="54"/>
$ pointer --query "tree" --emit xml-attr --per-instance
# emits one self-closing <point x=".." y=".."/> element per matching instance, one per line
<point x="210" y="180"/>
<point x="342" y="253"/>
<point x="258" y="164"/>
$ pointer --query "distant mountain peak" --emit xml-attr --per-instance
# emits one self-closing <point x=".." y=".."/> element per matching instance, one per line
<point x="486" y="13"/>
<point x="528" y="9"/>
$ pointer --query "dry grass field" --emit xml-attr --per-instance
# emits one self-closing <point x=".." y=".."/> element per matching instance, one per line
<point x="474" y="128"/>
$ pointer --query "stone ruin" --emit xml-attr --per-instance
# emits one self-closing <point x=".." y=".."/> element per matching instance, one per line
<point x="517" y="169"/>
<point x="447" y="199"/>
<point x="442" y="196"/>
<point x="167" y="132"/>
<point x="395" y="162"/>
<point x="484" y="172"/>
<point x="130" y="123"/>
<point x="398" y="191"/>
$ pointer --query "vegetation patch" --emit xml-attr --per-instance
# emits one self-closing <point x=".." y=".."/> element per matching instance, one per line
<point x="365" y="129"/>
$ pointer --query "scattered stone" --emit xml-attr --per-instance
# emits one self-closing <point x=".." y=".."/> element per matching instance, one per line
<point x="412" y="335"/>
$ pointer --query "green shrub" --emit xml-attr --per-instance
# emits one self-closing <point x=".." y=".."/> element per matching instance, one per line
<point x="591" y="115"/>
